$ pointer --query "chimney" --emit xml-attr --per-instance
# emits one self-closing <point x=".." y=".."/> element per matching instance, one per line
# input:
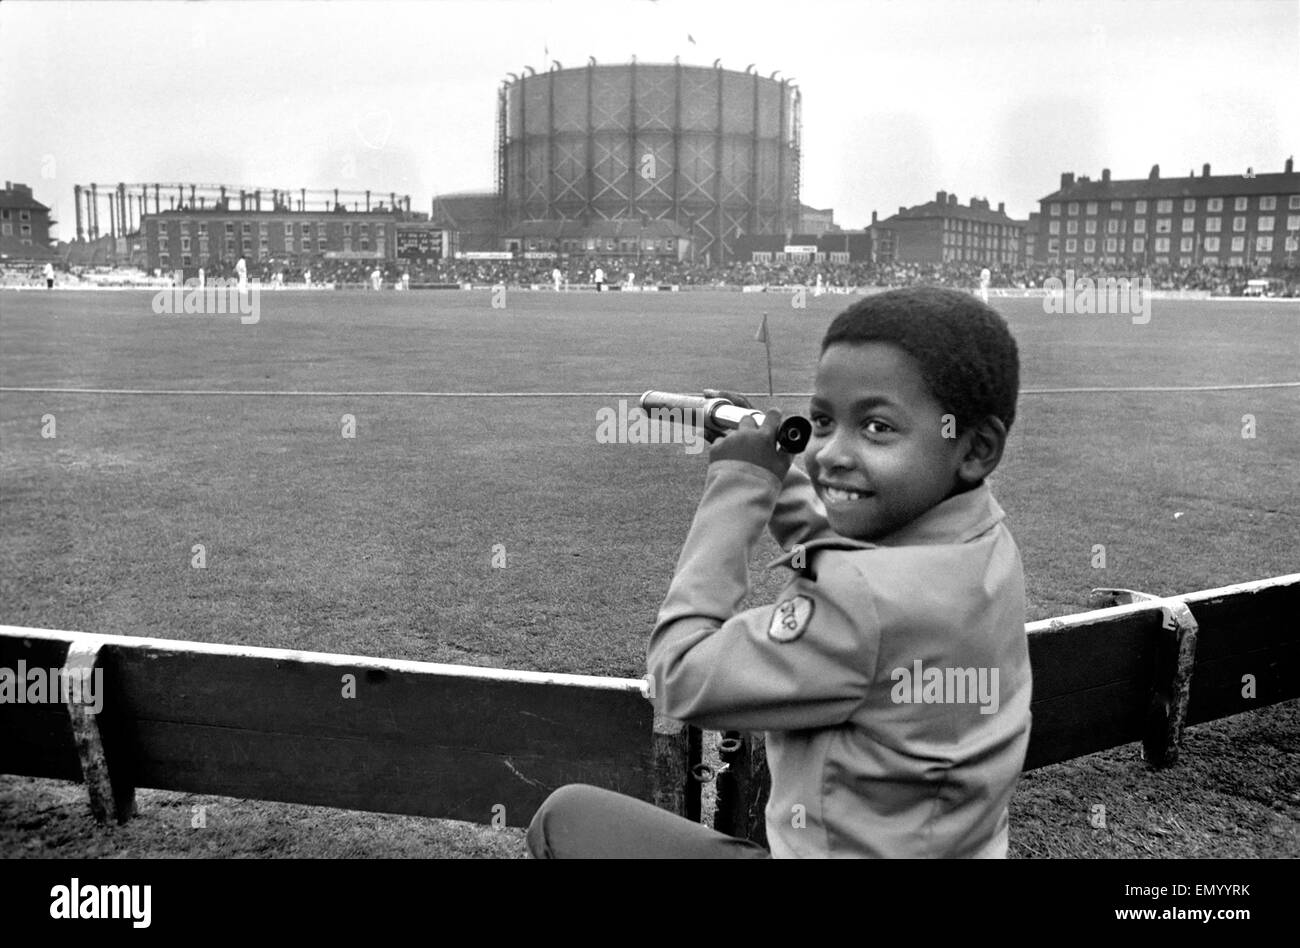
<point x="1290" y="165"/>
<point x="941" y="197"/>
<point x="902" y="210"/>
<point x="1002" y="208"/>
<point x="1205" y="170"/>
<point x="873" y="217"/>
<point x="1155" y="173"/>
<point x="1105" y="176"/>
<point x="1067" y="179"/>
<point x="952" y="200"/>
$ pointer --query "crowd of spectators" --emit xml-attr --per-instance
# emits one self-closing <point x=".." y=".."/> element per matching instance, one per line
<point x="1217" y="280"/>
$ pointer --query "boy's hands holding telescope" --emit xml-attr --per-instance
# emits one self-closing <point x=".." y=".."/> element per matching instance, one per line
<point x="756" y="444"/>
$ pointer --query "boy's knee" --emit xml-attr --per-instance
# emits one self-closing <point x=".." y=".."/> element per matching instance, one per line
<point x="564" y="807"/>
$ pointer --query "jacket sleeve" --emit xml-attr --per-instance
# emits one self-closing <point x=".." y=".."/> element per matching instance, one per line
<point x="798" y="516"/>
<point x="805" y="661"/>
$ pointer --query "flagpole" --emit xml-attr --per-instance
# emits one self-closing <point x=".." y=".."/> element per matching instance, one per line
<point x="767" y="345"/>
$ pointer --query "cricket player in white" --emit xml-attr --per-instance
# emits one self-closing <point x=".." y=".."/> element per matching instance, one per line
<point x="557" y="278"/>
<point x="241" y="275"/>
<point x="985" y="278"/>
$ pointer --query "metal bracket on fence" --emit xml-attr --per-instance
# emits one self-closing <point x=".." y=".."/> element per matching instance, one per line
<point x="1175" y="658"/>
<point x="706" y="774"/>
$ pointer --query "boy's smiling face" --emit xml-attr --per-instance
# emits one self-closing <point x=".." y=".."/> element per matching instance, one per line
<point x="878" y="458"/>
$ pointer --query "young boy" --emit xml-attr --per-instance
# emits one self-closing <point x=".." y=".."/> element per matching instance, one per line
<point x="892" y="675"/>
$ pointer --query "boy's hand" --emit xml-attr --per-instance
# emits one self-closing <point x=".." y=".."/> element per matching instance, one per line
<point x="756" y="445"/>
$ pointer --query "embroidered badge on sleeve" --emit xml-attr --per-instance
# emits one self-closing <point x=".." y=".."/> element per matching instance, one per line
<point x="790" y="619"/>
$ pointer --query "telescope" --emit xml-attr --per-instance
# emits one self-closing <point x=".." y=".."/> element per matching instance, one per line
<point x="721" y="414"/>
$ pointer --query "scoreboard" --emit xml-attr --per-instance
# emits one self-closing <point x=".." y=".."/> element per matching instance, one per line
<point x="419" y="243"/>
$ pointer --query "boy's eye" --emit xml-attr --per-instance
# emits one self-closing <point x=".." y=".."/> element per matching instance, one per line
<point x="876" y="426"/>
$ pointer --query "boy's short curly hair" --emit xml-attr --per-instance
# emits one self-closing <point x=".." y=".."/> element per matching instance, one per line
<point x="967" y="354"/>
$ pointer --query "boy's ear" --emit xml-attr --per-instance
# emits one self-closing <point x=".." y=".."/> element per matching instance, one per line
<point x="984" y="442"/>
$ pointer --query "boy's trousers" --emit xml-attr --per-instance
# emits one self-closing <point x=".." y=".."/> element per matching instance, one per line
<point x="583" y="822"/>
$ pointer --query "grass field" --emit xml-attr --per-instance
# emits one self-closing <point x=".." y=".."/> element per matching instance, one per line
<point x="383" y="544"/>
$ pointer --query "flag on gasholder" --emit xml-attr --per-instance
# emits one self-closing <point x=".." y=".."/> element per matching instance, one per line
<point x="762" y="330"/>
<point x="690" y="39"/>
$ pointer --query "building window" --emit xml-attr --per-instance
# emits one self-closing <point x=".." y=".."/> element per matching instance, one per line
<point x="1213" y="224"/>
<point x="1241" y="204"/>
<point x="288" y="245"/>
<point x="1139" y="207"/>
<point x="185" y="227"/>
<point x="1055" y="210"/>
<point x="1238" y="244"/>
<point x="321" y="243"/>
<point x="248" y="244"/>
<point x="1293" y="222"/>
<point x="1212" y="244"/>
<point x="1139" y="244"/>
<point x="164" y="261"/>
<point x="230" y="227"/>
<point x="187" y="260"/>
<point x="1112" y="226"/>
<point x="1265" y="222"/>
<point x="1073" y="209"/>
<point x="7" y="229"/>
<point x="203" y="229"/>
<point x="1071" y="245"/>
<point x="306" y="229"/>
<point x="1264" y="243"/>
<point x="288" y="230"/>
<point x="365" y="230"/>
<point x="1053" y="245"/>
<point x="347" y="244"/>
<point x="1053" y="227"/>
<point x="1267" y="203"/>
<point x="4" y="213"/>
<point x="24" y="215"/>
<point x="162" y="244"/>
<point x="1293" y="202"/>
<point x="1162" y="245"/>
<point x="1110" y="244"/>
<point x="1164" y="225"/>
<point x="230" y="245"/>
<point x="162" y="227"/>
<point x="1089" y="246"/>
<point x="25" y="230"/>
<point x="1214" y="205"/>
<point x="347" y="230"/>
<point x="185" y="245"/>
<point x="261" y="228"/>
<point x="1092" y="207"/>
<point x="1090" y="227"/>
<point x="264" y="244"/>
<point x="1139" y="226"/>
<point x="248" y="227"/>
<point x="1189" y="205"/>
<point x="1292" y="244"/>
<point x="1238" y="224"/>
<point x="1117" y="205"/>
<point x="1185" y="245"/>
<point x="1189" y="224"/>
<point x="1165" y="206"/>
<point x="1071" y="227"/>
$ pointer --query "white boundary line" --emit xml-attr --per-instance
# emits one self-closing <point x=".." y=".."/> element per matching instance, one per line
<point x="266" y="393"/>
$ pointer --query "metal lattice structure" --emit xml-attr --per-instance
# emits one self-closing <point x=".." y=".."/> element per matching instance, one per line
<point x="713" y="150"/>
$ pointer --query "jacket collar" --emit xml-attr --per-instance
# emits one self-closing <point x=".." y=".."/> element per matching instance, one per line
<point x="958" y="519"/>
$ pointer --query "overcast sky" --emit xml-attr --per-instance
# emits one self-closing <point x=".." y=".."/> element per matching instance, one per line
<point x="900" y="99"/>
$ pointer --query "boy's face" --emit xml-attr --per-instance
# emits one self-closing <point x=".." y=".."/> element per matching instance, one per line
<point x="877" y="457"/>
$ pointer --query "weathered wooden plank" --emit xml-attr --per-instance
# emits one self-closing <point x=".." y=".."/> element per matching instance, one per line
<point x="676" y="751"/>
<point x="35" y="739"/>
<point x="375" y="775"/>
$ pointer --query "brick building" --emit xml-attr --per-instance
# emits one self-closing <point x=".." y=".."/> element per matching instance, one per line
<point x="212" y="237"/>
<point x="24" y="226"/>
<point x="1212" y="220"/>
<point x="945" y="231"/>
